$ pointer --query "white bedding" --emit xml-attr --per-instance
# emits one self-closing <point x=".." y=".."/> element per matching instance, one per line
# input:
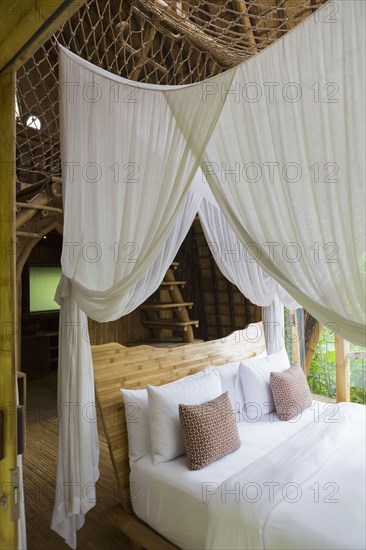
<point x="175" y="501"/>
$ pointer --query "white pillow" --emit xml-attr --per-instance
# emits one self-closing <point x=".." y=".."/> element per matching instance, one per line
<point x="138" y="425"/>
<point x="255" y="380"/>
<point x="230" y="382"/>
<point x="137" y="419"/>
<point x="228" y="375"/>
<point x="166" y="435"/>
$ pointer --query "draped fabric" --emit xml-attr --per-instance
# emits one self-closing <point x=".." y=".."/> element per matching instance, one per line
<point x="284" y="169"/>
<point x="111" y="304"/>
<point x="127" y="166"/>
<point x="78" y="450"/>
<point x="274" y="323"/>
<point x="285" y="164"/>
<point x="238" y="265"/>
<point x="129" y="155"/>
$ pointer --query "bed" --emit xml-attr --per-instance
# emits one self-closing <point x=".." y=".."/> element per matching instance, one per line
<point x="234" y="502"/>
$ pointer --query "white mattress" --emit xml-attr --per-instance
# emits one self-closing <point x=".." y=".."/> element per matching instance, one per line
<point x="170" y="498"/>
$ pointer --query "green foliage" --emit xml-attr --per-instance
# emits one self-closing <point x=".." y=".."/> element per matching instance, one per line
<point x="358" y="379"/>
<point x="322" y="375"/>
<point x="322" y="372"/>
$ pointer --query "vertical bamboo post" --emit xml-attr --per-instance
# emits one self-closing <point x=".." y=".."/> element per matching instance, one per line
<point x="295" y="341"/>
<point x="8" y="530"/>
<point x="342" y="370"/>
<point x="18" y="319"/>
<point x="313" y="342"/>
<point x="241" y="8"/>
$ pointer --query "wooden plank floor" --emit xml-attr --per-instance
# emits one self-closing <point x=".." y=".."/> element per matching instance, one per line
<point x="40" y="479"/>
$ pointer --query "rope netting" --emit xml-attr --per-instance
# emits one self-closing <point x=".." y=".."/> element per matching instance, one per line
<point x="154" y="41"/>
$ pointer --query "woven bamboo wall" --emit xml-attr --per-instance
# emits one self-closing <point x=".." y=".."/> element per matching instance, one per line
<point x="124" y="331"/>
<point x="218" y="304"/>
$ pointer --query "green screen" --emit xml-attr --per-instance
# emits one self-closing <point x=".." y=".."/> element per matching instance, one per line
<point x="43" y="282"/>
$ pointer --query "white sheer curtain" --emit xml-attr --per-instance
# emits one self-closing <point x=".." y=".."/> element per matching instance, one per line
<point x="111" y="304"/>
<point x="127" y="168"/>
<point x="236" y="262"/>
<point x="127" y="164"/>
<point x="285" y="163"/>
<point x="273" y="318"/>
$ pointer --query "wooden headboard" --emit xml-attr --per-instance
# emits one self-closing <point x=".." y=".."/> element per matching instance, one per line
<point x="117" y="367"/>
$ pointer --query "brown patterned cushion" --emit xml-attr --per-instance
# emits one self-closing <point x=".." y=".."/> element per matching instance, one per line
<point x="209" y="431"/>
<point x="291" y="393"/>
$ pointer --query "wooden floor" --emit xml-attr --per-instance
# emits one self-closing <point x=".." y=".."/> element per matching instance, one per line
<point x="40" y="479"/>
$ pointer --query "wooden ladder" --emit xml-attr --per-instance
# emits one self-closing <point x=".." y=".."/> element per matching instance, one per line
<point x="170" y="313"/>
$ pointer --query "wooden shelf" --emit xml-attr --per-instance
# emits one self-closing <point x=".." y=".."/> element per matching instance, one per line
<point x="170" y="323"/>
<point x="166" y="342"/>
<point x="172" y="284"/>
<point x="167" y="305"/>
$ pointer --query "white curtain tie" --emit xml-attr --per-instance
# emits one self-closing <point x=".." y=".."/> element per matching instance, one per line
<point x="63" y="289"/>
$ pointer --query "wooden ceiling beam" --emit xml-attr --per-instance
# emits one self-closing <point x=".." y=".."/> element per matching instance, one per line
<point x="193" y="33"/>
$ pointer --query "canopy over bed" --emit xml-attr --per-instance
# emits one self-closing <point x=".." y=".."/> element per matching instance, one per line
<point x="268" y="153"/>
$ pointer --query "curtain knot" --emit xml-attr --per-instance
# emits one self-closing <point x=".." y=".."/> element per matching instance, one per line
<point x="63" y="289"/>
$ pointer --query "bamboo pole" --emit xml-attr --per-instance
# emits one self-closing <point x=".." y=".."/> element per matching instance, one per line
<point x="295" y="341"/>
<point x="313" y="342"/>
<point x="342" y="370"/>
<point x="194" y="33"/>
<point x="18" y="321"/>
<point x="8" y="530"/>
<point x="27" y="213"/>
<point x="141" y="57"/>
<point x="182" y="314"/>
<point x="25" y="26"/>
<point x="241" y="8"/>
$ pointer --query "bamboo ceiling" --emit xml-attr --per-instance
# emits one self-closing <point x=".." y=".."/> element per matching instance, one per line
<point x="155" y="41"/>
